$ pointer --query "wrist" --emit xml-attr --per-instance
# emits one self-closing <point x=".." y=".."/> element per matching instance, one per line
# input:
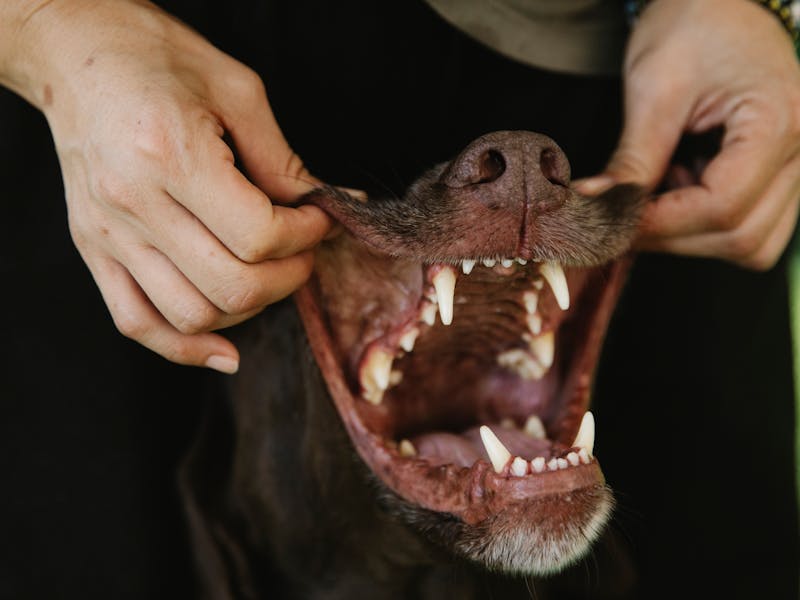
<point x="23" y="46"/>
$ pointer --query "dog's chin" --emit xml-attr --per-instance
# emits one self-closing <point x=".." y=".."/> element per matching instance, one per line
<point x="477" y="430"/>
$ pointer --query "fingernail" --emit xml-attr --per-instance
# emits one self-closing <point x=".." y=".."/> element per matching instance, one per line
<point x="593" y="186"/>
<point x="223" y="364"/>
<point x="359" y="195"/>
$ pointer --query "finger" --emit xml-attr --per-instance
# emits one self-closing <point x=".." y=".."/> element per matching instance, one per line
<point x="234" y="287"/>
<point x="729" y="187"/>
<point x="137" y="318"/>
<point x="656" y="113"/>
<point x="773" y="247"/>
<point x="239" y="214"/>
<point x="172" y="294"/>
<point x="247" y="116"/>
<point x="746" y="241"/>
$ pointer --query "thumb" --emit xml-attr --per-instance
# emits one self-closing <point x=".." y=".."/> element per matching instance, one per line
<point x="655" y="118"/>
<point x="265" y="154"/>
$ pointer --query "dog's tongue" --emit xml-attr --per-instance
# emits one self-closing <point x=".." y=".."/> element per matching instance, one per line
<point x="440" y="448"/>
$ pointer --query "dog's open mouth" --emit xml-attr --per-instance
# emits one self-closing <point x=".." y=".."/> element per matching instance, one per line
<point x="461" y="366"/>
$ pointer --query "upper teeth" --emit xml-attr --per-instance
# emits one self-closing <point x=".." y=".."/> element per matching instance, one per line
<point x="445" y="283"/>
<point x="554" y="275"/>
<point x="375" y="374"/>
<point x="585" y="436"/>
<point x="467" y="266"/>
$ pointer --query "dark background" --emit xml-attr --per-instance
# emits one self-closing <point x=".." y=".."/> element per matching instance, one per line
<point x="694" y="401"/>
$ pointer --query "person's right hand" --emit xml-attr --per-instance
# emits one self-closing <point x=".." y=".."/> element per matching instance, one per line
<point x="179" y="242"/>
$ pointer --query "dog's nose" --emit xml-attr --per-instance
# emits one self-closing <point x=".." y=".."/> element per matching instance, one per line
<point x="503" y="163"/>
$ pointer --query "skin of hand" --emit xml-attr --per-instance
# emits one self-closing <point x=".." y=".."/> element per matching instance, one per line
<point x="179" y="241"/>
<point x="692" y="65"/>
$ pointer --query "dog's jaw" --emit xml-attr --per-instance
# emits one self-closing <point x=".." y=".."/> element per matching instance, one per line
<point x="412" y="391"/>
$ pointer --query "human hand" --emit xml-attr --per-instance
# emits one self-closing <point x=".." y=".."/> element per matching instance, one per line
<point x="691" y="66"/>
<point x="179" y="242"/>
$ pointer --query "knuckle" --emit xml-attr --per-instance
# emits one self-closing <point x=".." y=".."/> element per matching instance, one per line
<point x="239" y="298"/>
<point x="725" y="218"/>
<point x="741" y="246"/>
<point x="760" y="262"/>
<point x="154" y="134"/>
<point x="130" y="324"/>
<point x="114" y="190"/>
<point x="247" y="85"/>
<point x="195" y="319"/>
<point x="180" y="351"/>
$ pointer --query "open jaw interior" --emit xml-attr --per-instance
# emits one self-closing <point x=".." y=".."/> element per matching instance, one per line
<point x="465" y="385"/>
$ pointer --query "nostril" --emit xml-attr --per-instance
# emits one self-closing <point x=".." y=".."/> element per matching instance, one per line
<point x="491" y="165"/>
<point x="550" y="165"/>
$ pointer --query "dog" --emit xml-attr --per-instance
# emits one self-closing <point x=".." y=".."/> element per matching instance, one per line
<point x="415" y="423"/>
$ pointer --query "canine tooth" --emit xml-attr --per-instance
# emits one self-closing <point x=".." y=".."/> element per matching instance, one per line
<point x="445" y="284"/>
<point x="584" y="456"/>
<point x="585" y="437"/>
<point x="554" y="275"/>
<point x="573" y="459"/>
<point x="407" y="449"/>
<point x="531" y="301"/>
<point x="552" y="464"/>
<point x="375" y="375"/>
<point x="522" y="261"/>
<point x="428" y="313"/>
<point x="506" y="262"/>
<point x="535" y="428"/>
<point x="467" y="266"/>
<point x="408" y="339"/>
<point x="519" y="467"/>
<point x="562" y="463"/>
<point x="489" y="262"/>
<point x="537" y="464"/>
<point x="543" y="348"/>
<point x="520" y="361"/>
<point x="498" y="453"/>
<point x="534" y="323"/>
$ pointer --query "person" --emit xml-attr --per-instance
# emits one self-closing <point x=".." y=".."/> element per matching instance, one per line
<point x="154" y="128"/>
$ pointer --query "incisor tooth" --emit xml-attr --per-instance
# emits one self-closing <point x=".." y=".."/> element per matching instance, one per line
<point x="552" y="464"/>
<point x="407" y="449"/>
<point x="375" y="374"/>
<point x="535" y="428"/>
<point x="554" y="275"/>
<point x="543" y="348"/>
<point x="522" y="261"/>
<point x="498" y="453"/>
<point x="519" y="467"/>
<point x="562" y="463"/>
<point x="489" y="262"/>
<point x="408" y="339"/>
<point x="585" y="437"/>
<point x="445" y="283"/>
<point x="584" y="456"/>
<point x="467" y="266"/>
<point x="537" y="464"/>
<point x="506" y="262"/>
<point x="573" y="459"/>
